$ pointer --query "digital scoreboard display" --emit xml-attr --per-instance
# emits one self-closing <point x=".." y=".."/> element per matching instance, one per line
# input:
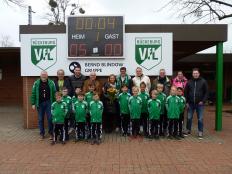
<point x="95" y="36"/>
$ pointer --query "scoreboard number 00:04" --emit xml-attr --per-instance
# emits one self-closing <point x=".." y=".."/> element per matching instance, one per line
<point x="109" y="50"/>
<point x="99" y="23"/>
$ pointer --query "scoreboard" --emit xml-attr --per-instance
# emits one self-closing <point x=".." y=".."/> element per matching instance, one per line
<point x="95" y="36"/>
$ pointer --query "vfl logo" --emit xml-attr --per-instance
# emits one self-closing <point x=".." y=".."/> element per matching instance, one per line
<point x="148" y="51"/>
<point x="44" y="52"/>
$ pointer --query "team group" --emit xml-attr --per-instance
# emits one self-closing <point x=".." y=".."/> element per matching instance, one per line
<point x="151" y="113"/>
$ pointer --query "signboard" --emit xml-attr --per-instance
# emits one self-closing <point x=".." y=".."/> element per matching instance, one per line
<point x="95" y="36"/>
<point x="150" y="51"/>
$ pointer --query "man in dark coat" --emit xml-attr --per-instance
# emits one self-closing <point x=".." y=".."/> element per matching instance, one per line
<point x="196" y="93"/>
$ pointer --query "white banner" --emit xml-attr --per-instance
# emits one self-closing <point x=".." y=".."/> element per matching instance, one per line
<point x="150" y="51"/>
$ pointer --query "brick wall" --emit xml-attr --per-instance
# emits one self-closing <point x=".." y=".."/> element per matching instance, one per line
<point x="30" y="116"/>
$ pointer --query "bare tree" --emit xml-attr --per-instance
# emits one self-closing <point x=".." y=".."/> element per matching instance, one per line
<point x="19" y="3"/>
<point x="6" y="41"/>
<point x="59" y="10"/>
<point x="201" y="10"/>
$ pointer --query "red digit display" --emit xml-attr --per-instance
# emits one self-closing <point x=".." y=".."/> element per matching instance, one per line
<point x="82" y="49"/>
<point x="108" y="50"/>
<point x="117" y="49"/>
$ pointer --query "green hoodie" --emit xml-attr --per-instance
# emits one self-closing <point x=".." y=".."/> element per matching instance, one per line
<point x="96" y="110"/>
<point x="145" y="97"/>
<point x="162" y="98"/>
<point x="123" y="99"/>
<point x="173" y="107"/>
<point x="35" y="92"/>
<point x="68" y="100"/>
<point x="135" y="105"/>
<point x="154" y="107"/>
<point x="80" y="110"/>
<point x="89" y="97"/>
<point x="59" y="111"/>
<point x="182" y="103"/>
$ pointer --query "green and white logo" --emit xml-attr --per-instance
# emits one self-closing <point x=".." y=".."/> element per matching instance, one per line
<point x="148" y="51"/>
<point x="43" y="52"/>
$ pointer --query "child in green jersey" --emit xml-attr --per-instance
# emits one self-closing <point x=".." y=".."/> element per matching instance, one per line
<point x="144" y="112"/>
<point x="154" y="107"/>
<point x="80" y="110"/>
<point x="135" y="106"/>
<point x="68" y="100"/>
<point x="72" y="116"/>
<point x="88" y="99"/>
<point x="182" y="108"/>
<point x="59" y="111"/>
<point x="123" y="99"/>
<point x="96" y="111"/>
<point x="173" y="112"/>
<point x="163" y="113"/>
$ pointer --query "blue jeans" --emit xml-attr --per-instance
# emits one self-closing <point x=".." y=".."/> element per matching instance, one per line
<point x="199" y="109"/>
<point x="45" y="107"/>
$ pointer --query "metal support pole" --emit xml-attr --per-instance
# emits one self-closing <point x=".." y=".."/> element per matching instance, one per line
<point x="29" y="15"/>
<point x="219" y="87"/>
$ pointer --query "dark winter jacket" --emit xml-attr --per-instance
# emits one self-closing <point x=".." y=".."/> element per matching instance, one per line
<point x="77" y="82"/>
<point x="196" y="91"/>
<point x="66" y="84"/>
<point x="165" y="81"/>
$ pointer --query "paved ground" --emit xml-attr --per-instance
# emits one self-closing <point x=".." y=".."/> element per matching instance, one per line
<point x="22" y="152"/>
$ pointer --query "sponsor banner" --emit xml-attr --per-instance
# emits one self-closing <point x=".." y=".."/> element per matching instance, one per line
<point x="150" y="51"/>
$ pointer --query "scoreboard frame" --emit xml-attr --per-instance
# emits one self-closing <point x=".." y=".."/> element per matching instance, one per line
<point x="96" y="56"/>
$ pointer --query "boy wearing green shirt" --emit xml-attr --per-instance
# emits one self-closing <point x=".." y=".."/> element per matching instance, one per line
<point x="123" y="99"/>
<point x="135" y="106"/>
<point x="59" y="110"/>
<point x="68" y="100"/>
<point x="72" y="115"/>
<point x="154" y="107"/>
<point x="80" y="110"/>
<point x="163" y="113"/>
<point x="96" y="111"/>
<point x="88" y="99"/>
<point x="144" y="112"/>
<point x="173" y="112"/>
<point x="182" y="108"/>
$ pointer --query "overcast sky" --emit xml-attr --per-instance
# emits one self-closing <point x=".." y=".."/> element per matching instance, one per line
<point x="135" y="12"/>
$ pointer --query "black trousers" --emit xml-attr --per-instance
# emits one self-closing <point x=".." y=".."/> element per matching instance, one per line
<point x="72" y="120"/>
<point x="66" y="127"/>
<point x="144" y="122"/>
<point x="135" y="126"/>
<point x="163" y="123"/>
<point x="80" y="130"/>
<point x="125" y="122"/>
<point x="180" y="123"/>
<point x="110" y="122"/>
<point x="154" y="127"/>
<point x="96" y="130"/>
<point x="58" y="129"/>
<point x="173" y="127"/>
<point x="88" y="126"/>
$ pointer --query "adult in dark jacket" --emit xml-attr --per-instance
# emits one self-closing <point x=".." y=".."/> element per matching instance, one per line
<point x="196" y="92"/>
<point x="62" y="81"/>
<point x="42" y="97"/>
<point x="77" y="80"/>
<point x="163" y="79"/>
